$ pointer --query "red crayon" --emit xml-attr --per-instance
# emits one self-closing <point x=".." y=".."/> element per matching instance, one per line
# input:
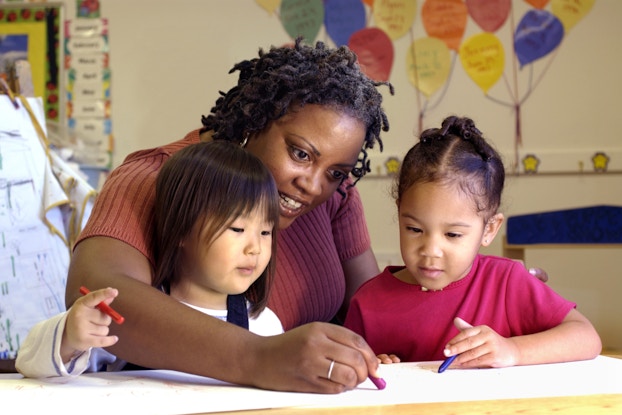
<point x="105" y="308"/>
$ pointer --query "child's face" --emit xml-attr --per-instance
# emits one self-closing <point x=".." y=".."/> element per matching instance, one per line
<point x="440" y="234"/>
<point x="229" y="265"/>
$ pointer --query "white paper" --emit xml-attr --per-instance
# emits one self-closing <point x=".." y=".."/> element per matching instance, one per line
<point x="167" y="392"/>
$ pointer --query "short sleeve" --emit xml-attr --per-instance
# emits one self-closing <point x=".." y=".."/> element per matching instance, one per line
<point x="348" y="223"/>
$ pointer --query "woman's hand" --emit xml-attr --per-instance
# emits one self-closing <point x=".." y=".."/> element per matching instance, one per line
<point x="539" y="273"/>
<point x="301" y="360"/>
<point x="388" y="358"/>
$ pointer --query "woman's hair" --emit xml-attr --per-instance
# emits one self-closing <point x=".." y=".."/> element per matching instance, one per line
<point x="455" y="154"/>
<point x="292" y="76"/>
<point x="210" y="185"/>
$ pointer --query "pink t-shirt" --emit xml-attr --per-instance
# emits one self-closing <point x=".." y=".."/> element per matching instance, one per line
<point x="399" y="318"/>
<point x="309" y="284"/>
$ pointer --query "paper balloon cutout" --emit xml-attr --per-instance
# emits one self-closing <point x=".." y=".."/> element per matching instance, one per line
<point x="395" y="17"/>
<point x="428" y="64"/>
<point x="538" y="4"/>
<point x="302" y="18"/>
<point x="483" y="59"/>
<point x="537" y="34"/>
<point x="342" y="18"/>
<point x="570" y="11"/>
<point x="489" y="14"/>
<point x="374" y="50"/>
<point x="446" y="20"/>
<point x="269" y="5"/>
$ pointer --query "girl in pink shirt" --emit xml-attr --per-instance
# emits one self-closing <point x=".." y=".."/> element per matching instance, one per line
<point x="448" y="299"/>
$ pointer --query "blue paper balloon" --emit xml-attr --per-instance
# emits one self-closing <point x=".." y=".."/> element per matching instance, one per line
<point x="342" y="18"/>
<point x="538" y="33"/>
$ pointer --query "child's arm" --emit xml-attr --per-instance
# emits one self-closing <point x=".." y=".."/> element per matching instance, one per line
<point x="50" y="345"/>
<point x="573" y="339"/>
<point x="86" y="325"/>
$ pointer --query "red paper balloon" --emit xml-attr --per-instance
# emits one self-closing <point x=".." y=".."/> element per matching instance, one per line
<point x="374" y="50"/>
<point x="489" y="14"/>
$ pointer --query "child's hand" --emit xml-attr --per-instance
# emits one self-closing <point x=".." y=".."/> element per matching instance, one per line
<point x="86" y="326"/>
<point x="480" y="346"/>
<point x="388" y="358"/>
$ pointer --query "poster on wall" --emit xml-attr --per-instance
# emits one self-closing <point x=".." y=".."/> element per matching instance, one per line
<point x="32" y="32"/>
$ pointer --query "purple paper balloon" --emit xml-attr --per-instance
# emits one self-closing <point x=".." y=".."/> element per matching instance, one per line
<point x="342" y="18"/>
<point x="538" y="33"/>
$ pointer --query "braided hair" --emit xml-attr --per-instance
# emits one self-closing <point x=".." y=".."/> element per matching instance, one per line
<point x="456" y="153"/>
<point x="268" y="86"/>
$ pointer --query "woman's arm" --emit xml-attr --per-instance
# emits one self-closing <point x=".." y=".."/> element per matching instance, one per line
<point x="357" y="271"/>
<point x="161" y="333"/>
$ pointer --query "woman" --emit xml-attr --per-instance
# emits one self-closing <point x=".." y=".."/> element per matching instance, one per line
<point x="309" y="114"/>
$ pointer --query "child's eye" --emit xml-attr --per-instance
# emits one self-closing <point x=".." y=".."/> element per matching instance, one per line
<point x="266" y="233"/>
<point x="453" y="235"/>
<point x="234" y="229"/>
<point x="413" y="229"/>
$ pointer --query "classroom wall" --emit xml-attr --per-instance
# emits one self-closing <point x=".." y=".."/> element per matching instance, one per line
<point x="169" y="59"/>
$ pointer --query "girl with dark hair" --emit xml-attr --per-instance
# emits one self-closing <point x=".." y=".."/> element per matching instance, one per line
<point x="448" y="299"/>
<point x="216" y="212"/>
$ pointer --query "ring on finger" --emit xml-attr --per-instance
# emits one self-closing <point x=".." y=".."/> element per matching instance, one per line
<point x="330" y="369"/>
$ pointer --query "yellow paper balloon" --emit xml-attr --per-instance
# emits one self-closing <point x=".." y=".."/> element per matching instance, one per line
<point x="483" y="59"/>
<point x="395" y="17"/>
<point x="269" y="5"/>
<point x="428" y="63"/>
<point x="570" y="11"/>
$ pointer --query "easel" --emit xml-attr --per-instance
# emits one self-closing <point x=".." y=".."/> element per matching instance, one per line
<point x="17" y="81"/>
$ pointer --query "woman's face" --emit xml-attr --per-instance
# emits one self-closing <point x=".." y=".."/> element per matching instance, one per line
<point x="309" y="152"/>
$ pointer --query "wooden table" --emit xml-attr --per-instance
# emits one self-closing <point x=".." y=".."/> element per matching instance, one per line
<point x="575" y="405"/>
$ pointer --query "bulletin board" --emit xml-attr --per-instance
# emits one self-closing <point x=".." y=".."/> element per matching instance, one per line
<point x="33" y="32"/>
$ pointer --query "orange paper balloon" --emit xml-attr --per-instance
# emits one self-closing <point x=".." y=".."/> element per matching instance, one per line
<point x="428" y="63"/>
<point x="538" y="4"/>
<point x="446" y="20"/>
<point x="483" y="59"/>
<point x="395" y="17"/>
<point x="569" y="12"/>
